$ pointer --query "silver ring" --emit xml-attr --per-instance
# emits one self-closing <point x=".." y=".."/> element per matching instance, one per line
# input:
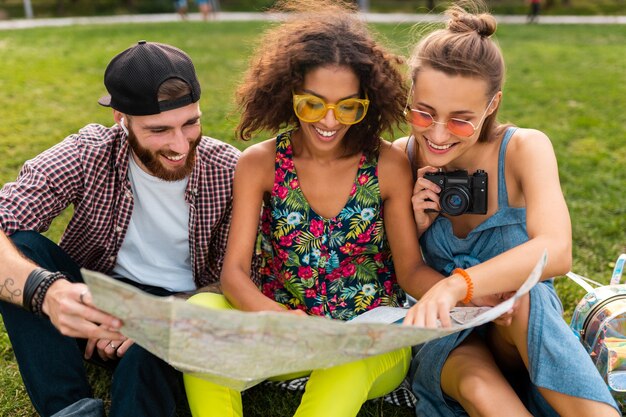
<point x="113" y="346"/>
<point x="82" y="294"/>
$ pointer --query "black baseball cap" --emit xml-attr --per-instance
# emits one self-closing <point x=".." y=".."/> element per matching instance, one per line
<point x="134" y="76"/>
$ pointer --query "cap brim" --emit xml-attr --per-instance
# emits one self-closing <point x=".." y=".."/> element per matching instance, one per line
<point x="105" y="101"/>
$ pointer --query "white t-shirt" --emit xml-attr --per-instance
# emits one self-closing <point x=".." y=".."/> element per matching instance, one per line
<point x="155" y="250"/>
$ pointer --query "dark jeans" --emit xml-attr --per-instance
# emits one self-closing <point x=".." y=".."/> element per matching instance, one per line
<point x="52" y="366"/>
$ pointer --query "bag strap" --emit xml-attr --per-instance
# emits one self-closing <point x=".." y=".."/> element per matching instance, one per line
<point x="585" y="283"/>
<point x="618" y="270"/>
<point x="582" y="281"/>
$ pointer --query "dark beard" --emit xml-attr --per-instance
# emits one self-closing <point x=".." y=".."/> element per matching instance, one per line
<point x="151" y="159"/>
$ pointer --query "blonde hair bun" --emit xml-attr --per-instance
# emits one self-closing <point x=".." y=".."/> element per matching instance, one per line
<point x="462" y="21"/>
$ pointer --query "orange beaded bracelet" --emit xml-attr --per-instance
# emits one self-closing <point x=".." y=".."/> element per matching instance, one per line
<point x="470" y="285"/>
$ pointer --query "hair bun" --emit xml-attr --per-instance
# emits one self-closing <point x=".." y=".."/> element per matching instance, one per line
<point x="461" y="21"/>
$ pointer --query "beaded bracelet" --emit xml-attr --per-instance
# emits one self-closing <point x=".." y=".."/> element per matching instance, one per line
<point x="470" y="285"/>
<point x="40" y="294"/>
<point x="37" y="285"/>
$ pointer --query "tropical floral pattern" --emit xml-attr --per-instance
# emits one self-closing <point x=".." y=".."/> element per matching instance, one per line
<point x="338" y="267"/>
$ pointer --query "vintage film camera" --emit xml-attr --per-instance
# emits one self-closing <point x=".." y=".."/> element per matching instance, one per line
<point x="461" y="193"/>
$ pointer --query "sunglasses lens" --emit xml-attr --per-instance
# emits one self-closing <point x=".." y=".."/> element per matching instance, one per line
<point x="312" y="109"/>
<point x="460" y="127"/>
<point x="420" y="118"/>
<point x="350" y="111"/>
<point x="309" y="108"/>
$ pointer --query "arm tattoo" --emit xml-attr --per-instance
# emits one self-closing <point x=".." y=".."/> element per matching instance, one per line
<point x="7" y="291"/>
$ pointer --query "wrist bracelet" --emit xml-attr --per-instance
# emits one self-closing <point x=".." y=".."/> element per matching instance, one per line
<point x="32" y="283"/>
<point x="470" y="285"/>
<point x="37" y="285"/>
<point x="40" y="294"/>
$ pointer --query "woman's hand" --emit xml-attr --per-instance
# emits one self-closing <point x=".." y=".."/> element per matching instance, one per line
<point x="425" y="197"/>
<point x="492" y="301"/>
<point x="436" y="304"/>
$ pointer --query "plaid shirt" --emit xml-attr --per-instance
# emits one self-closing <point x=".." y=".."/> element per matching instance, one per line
<point x="89" y="171"/>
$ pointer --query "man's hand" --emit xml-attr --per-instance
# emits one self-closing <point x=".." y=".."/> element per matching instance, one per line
<point x="69" y="306"/>
<point x="107" y="349"/>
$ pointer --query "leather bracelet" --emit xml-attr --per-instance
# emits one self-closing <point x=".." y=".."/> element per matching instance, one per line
<point x="36" y="287"/>
<point x="470" y="285"/>
<point x="37" y="302"/>
<point x="32" y="283"/>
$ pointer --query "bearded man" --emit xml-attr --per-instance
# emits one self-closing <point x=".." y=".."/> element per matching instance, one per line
<point x="152" y="206"/>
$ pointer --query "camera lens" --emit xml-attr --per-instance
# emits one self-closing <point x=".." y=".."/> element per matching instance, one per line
<point x="454" y="201"/>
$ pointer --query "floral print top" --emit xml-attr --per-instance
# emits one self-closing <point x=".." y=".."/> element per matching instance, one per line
<point x="336" y="267"/>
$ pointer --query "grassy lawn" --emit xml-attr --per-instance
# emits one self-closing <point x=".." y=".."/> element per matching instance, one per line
<point x="58" y="8"/>
<point x="568" y="81"/>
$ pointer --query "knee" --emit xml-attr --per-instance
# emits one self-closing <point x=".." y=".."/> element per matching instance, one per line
<point x="475" y="390"/>
<point x="351" y="374"/>
<point x="211" y="300"/>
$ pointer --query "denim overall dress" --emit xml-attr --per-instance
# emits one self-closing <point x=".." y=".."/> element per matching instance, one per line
<point x="557" y="360"/>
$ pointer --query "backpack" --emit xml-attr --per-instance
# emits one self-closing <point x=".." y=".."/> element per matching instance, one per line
<point x="599" y="322"/>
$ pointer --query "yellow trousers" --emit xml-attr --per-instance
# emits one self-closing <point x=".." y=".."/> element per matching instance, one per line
<point x="339" y="391"/>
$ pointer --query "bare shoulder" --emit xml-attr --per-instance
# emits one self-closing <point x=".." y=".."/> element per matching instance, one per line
<point x="391" y="154"/>
<point x="393" y="166"/>
<point x="260" y="154"/>
<point x="401" y="143"/>
<point x="529" y="148"/>
<point x="256" y="163"/>
<point x="529" y="141"/>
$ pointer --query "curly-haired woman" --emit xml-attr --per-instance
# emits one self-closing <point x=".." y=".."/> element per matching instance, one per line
<point x="335" y="198"/>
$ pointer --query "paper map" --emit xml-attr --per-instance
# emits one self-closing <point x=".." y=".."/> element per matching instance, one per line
<point x="240" y="349"/>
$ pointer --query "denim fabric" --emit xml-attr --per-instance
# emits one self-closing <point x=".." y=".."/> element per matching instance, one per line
<point x="52" y="365"/>
<point x="557" y="359"/>
<point x="87" y="407"/>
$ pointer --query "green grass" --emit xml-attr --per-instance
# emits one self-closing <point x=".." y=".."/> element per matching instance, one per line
<point x="50" y="8"/>
<point x="568" y="81"/>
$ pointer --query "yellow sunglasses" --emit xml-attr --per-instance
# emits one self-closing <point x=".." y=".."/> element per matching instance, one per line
<point x="311" y="109"/>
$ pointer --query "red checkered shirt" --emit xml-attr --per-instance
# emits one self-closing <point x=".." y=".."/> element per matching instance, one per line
<point x="89" y="171"/>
